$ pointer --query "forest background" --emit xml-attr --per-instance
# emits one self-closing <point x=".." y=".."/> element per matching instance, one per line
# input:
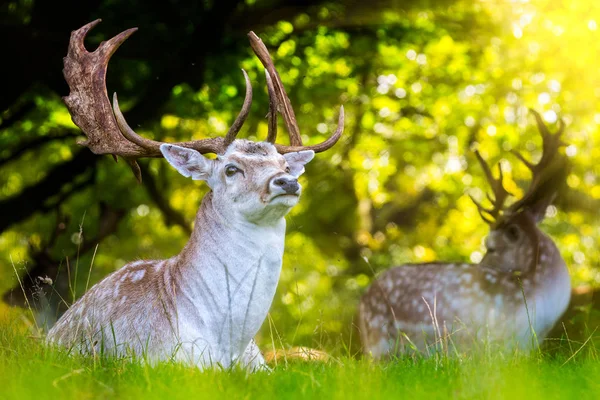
<point x="423" y="83"/>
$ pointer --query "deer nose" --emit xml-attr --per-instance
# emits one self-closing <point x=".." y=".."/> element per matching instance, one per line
<point x="289" y="185"/>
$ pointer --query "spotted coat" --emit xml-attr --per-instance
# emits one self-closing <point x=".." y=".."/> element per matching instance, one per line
<point x="512" y="298"/>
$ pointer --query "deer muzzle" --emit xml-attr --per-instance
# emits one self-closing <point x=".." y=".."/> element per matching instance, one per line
<point x="285" y="186"/>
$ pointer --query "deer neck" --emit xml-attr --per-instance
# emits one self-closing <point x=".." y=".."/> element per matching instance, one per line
<point x="546" y="286"/>
<point x="545" y="265"/>
<point x="551" y="271"/>
<point x="228" y="274"/>
<point x="232" y="237"/>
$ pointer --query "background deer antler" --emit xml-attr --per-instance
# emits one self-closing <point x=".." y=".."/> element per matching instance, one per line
<point x="547" y="175"/>
<point x="500" y="194"/>
<point x="549" y="172"/>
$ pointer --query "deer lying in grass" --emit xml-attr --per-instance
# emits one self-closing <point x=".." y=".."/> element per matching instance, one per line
<point x="513" y="297"/>
<point x="204" y="305"/>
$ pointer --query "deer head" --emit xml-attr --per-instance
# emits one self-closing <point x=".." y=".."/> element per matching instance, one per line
<point x="514" y="240"/>
<point x="250" y="179"/>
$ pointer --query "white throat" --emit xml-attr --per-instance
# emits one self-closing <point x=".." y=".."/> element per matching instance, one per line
<point x="229" y="274"/>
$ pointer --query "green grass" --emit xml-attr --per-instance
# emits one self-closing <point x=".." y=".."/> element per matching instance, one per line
<point x="29" y="370"/>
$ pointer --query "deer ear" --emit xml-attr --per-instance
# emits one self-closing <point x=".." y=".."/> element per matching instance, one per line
<point x="188" y="162"/>
<point x="297" y="160"/>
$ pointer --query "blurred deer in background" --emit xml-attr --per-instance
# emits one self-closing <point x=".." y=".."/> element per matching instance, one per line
<point x="513" y="297"/>
<point x="205" y="305"/>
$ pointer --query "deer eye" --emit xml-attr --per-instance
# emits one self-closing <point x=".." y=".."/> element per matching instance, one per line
<point x="231" y="170"/>
<point x="513" y="233"/>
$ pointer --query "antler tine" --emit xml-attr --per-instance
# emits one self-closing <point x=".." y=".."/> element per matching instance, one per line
<point x="211" y="145"/>
<point x="498" y="190"/>
<point x="272" y="116"/>
<point x="284" y="104"/>
<point x="540" y="123"/>
<point x="320" y="147"/>
<point x="151" y="145"/>
<point x="241" y="118"/>
<point x="285" y="107"/>
<point x="482" y="211"/>
<point x="551" y="142"/>
<point x="214" y="145"/>
<point x="528" y="164"/>
<point x="547" y="166"/>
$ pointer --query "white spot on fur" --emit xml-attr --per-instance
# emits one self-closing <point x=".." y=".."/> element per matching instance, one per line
<point x="387" y="284"/>
<point x="137" y="275"/>
<point x="518" y="296"/>
<point x="376" y="322"/>
<point x="499" y="300"/>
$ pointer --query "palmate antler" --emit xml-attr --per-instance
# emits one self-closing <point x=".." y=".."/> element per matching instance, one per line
<point x="107" y="131"/>
<point x="544" y="174"/>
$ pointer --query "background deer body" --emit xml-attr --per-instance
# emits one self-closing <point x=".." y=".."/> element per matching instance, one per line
<point x="469" y="304"/>
<point x="204" y="305"/>
<point x="513" y="297"/>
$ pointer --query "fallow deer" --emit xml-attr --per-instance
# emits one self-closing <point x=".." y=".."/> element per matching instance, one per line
<point x="205" y="305"/>
<point x="511" y="299"/>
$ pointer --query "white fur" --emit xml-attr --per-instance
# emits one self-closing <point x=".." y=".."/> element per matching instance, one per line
<point x="226" y="304"/>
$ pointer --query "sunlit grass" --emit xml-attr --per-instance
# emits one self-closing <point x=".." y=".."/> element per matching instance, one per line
<point x="28" y="369"/>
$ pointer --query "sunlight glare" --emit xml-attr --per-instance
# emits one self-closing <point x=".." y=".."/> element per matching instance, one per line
<point x="550" y="116"/>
